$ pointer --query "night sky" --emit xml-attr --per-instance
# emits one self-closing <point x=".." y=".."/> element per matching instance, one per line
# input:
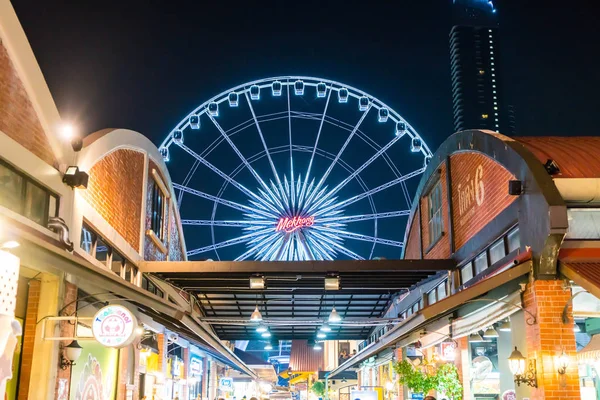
<point x="145" y="65"/>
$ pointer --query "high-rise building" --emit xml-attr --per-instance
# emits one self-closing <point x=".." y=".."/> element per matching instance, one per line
<point x="475" y="58"/>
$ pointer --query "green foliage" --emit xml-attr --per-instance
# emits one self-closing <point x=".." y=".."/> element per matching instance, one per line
<point x="318" y="388"/>
<point x="448" y="381"/>
<point x="442" y="379"/>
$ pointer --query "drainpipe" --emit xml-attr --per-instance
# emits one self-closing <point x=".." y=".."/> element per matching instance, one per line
<point x="59" y="226"/>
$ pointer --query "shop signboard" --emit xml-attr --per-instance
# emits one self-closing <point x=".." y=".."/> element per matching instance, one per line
<point x="226" y="384"/>
<point x="448" y="350"/>
<point x="195" y="366"/>
<point x="114" y="326"/>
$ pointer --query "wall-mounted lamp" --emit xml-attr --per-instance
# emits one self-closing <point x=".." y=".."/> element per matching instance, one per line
<point x="562" y="362"/>
<point x="332" y="283"/>
<point x="70" y="354"/>
<point x="257" y="282"/>
<point x="523" y="372"/>
<point x="75" y="178"/>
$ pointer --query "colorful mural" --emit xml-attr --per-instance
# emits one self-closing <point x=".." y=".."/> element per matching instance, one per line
<point x="94" y="376"/>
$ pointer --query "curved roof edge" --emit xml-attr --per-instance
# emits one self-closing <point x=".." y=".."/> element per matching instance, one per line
<point x="525" y="166"/>
<point x="101" y="143"/>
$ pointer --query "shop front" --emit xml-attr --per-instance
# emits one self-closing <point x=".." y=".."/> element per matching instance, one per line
<point x="194" y="380"/>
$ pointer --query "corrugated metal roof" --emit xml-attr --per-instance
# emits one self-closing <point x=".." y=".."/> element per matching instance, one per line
<point x="585" y="274"/>
<point x="304" y="358"/>
<point x="577" y="157"/>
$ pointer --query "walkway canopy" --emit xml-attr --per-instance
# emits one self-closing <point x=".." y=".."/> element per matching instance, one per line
<point x="295" y="298"/>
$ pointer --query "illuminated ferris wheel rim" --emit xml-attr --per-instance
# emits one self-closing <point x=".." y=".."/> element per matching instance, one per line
<point x="290" y="80"/>
<point x="327" y="237"/>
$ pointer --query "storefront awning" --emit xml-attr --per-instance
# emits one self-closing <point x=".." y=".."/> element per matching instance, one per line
<point x="591" y="352"/>
<point x="437" y="312"/>
<point x="35" y="250"/>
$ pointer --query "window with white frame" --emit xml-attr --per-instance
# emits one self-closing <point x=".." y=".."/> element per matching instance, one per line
<point x="434" y="203"/>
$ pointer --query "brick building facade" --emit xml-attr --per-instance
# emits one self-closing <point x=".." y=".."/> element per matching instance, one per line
<point x="80" y="248"/>
<point x="523" y="253"/>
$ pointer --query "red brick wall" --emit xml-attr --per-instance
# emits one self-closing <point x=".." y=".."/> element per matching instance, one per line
<point x="479" y="193"/>
<point x="115" y="191"/>
<point x="66" y="329"/>
<point x="547" y="338"/>
<point x="413" y="245"/>
<point x="33" y="301"/>
<point x="441" y="249"/>
<point x="18" y="118"/>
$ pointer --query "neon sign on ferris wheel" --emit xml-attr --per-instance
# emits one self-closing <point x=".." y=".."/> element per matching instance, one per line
<point x="289" y="225"/>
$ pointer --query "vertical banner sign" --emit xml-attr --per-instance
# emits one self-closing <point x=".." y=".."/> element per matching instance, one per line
<point x="114" y="326"/>
<point x="448" y="350"/>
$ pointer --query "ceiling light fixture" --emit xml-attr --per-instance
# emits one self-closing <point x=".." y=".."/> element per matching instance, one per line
<point x="321" y="335"/>
<point x="256" y="315"/>
<point x="490" y="333"/>
<point x="257" y="282"/>
<point x="332" y="283"/>
<point x="476" y="338"/>
<point x="505" y="326"/>
<point x="334" y="317"/>
<point x="261" y="328"/>
<point x="266" y="334"/>
<point x="325" y="327"/>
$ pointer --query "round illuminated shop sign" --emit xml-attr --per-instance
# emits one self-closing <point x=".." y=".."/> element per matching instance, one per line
<point x="114" y="326"/>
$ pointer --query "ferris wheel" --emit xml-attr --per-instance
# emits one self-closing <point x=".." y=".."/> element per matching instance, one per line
<point x="294" y="168"/>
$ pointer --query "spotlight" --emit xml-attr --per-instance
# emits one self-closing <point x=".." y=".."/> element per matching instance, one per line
<point x="552" y="167"/>
<point x="67" y="131"/>
<point x="139" y="330"/>
<point x="257" y="282"/>
<point x="515" y="188"/>
<point x="332" y="283"/>
<point x="75" y="178"/>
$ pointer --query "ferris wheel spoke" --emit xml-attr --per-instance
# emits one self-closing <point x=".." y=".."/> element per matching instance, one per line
<point x="312" y="156"/>
<point x="226" y="243"/>
<point x="264" y="143"/>
<point x="339" y="154"/>
<point x="359" y="170"/>
<point x="366" y="217"/>
<point x="244" y="161"/>
<point x="242" y="223"/>
<point x="357" y="236"/>
<point x="224" y="202"/>
<point x="333" y="242"/>
<point x="371" y="192"/>
<point x="227" y="178"/>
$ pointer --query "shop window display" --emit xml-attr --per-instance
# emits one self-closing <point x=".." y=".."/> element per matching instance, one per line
<point x="485" y="375"/>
